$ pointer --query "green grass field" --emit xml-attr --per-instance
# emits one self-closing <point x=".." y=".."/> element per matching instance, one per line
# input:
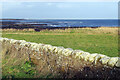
<point x="102" y="40"/>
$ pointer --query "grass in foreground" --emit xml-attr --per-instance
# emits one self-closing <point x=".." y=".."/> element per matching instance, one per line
<point x="26" y="70"/>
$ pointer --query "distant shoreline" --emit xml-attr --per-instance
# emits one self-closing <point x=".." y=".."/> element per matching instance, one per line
<point x="39" y="25"/>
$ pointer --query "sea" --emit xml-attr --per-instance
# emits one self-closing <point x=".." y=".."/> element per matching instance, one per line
<point x="65" y="22"/>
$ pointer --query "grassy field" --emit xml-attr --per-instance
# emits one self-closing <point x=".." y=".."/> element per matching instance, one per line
<point x="99" y="40"/>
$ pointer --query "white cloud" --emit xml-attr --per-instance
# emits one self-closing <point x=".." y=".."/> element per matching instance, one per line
<point x="63" y="5"/>
<point x="59" y="4"/>
<point x="49" y="4"/>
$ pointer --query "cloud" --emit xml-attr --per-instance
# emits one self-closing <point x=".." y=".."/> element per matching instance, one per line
<point x="61" y="4"/>
<point x="64" y="5"/>
<point x="49" y="4"/>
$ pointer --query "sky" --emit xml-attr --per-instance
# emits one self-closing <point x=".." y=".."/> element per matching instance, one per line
<point x="60" y="10"/>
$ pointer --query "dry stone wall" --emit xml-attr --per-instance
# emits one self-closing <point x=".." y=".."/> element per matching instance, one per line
<point x="60" y="60"/>
<point x="94" y="58"/>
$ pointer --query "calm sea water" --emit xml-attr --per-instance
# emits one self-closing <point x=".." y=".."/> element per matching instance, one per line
<point x="68" y="23"/>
